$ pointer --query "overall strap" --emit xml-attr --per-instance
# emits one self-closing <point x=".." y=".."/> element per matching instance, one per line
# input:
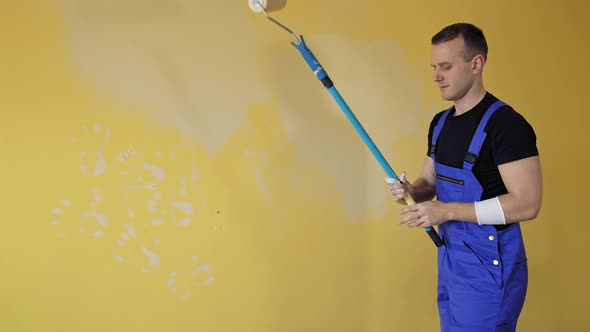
<point x="479" y="136"/>
<point x="436" y="132"/>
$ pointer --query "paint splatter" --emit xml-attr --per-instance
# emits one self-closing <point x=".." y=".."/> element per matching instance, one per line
<point x="182" y="281"/>
<point x="186" y="207"/>
<point x="155" y="170"/>
<point x="133" y="206"/>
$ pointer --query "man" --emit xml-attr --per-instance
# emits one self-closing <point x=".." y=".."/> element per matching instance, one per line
<point x="483" y="166"/>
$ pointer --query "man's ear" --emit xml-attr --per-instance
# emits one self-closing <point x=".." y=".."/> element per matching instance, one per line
<point x="478" y="63"/>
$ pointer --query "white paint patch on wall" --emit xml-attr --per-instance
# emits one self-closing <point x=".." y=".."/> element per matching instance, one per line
<point x="152" y="256"/>
<point x="144" y="52"/>
<point x="158" y="56"/>
<point x="134" y="244"/>
<point x="120" y="259"/>
<point x="155" y="170"/>
<point x="202" y="268"/>
<point x="181" y="281"/>
<point x="94" y="158"/>
<point x="99" y="165"/>
<point x="382" y="90"/>
<point x="130" y="230"/>
<point x="186" y="207"/>
<point x="102" y="219"/>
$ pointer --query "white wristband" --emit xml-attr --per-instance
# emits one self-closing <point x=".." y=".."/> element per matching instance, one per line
<point x="490" y="212"/>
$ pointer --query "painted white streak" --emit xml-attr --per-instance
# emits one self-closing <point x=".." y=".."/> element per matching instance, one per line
<point x="152" y="205"/>
<point x="119" y="258"/>
<point x="130" y="230"/>
<point x="156" y="171"/>
<point x="152" y="256"/>
<point x="188" y="208"/>
<point x="204" y="268"/>
<point x="101" y="164"/>
<point x="102" y="219"/>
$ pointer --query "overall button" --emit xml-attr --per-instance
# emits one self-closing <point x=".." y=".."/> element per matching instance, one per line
<point x="491" y="237"/>
<point x="496" y="262"/>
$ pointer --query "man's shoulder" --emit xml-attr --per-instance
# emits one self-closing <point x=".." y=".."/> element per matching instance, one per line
<point x="507" y="115"/>
<point x="437" y="117"/>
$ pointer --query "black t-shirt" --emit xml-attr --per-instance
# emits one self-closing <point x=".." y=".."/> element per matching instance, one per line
<point x="509" y="137"/>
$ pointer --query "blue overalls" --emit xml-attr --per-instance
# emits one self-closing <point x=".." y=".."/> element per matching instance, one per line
<point x="483" y="274"/>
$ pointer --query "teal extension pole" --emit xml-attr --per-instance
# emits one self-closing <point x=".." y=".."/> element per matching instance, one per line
<point x="321" y="74"/>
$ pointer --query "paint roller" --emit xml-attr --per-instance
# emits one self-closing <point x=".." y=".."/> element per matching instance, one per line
<point x="266" y="6"/>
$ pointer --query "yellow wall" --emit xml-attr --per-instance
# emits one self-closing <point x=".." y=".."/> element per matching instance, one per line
<point x="173" y="165"/>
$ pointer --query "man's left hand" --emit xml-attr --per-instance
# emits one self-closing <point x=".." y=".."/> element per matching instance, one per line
<point x="425" y="214"/>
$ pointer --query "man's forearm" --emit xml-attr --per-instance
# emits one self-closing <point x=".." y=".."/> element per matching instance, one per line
<point x="515" y="208"/>
<point x="422" y="191"/>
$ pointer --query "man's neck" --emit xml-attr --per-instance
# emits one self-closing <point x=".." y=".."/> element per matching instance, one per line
<point x="470" y="100"/>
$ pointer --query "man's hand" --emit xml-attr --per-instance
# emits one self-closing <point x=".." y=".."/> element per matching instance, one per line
<point x="399" y="190"/>
<point x="425" y="214"/>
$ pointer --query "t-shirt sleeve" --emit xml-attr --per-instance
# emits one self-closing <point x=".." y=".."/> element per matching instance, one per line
<point x="512" y="137"/>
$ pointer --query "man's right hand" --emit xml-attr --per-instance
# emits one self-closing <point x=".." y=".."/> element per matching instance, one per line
<point x="399" y="190"/>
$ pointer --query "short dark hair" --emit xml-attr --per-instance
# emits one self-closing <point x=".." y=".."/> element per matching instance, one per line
<point x="475" y="41"/>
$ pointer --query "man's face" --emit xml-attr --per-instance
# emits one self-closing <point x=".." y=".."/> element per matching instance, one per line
<point x="452" y="73"/>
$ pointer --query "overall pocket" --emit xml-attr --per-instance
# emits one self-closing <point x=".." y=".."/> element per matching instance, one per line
<point x="491" y="265"/>
<point x="449" y="189"/>
<point x="449" y="179"/>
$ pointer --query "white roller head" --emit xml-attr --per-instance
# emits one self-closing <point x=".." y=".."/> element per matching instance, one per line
<point x="268" y="5"/>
